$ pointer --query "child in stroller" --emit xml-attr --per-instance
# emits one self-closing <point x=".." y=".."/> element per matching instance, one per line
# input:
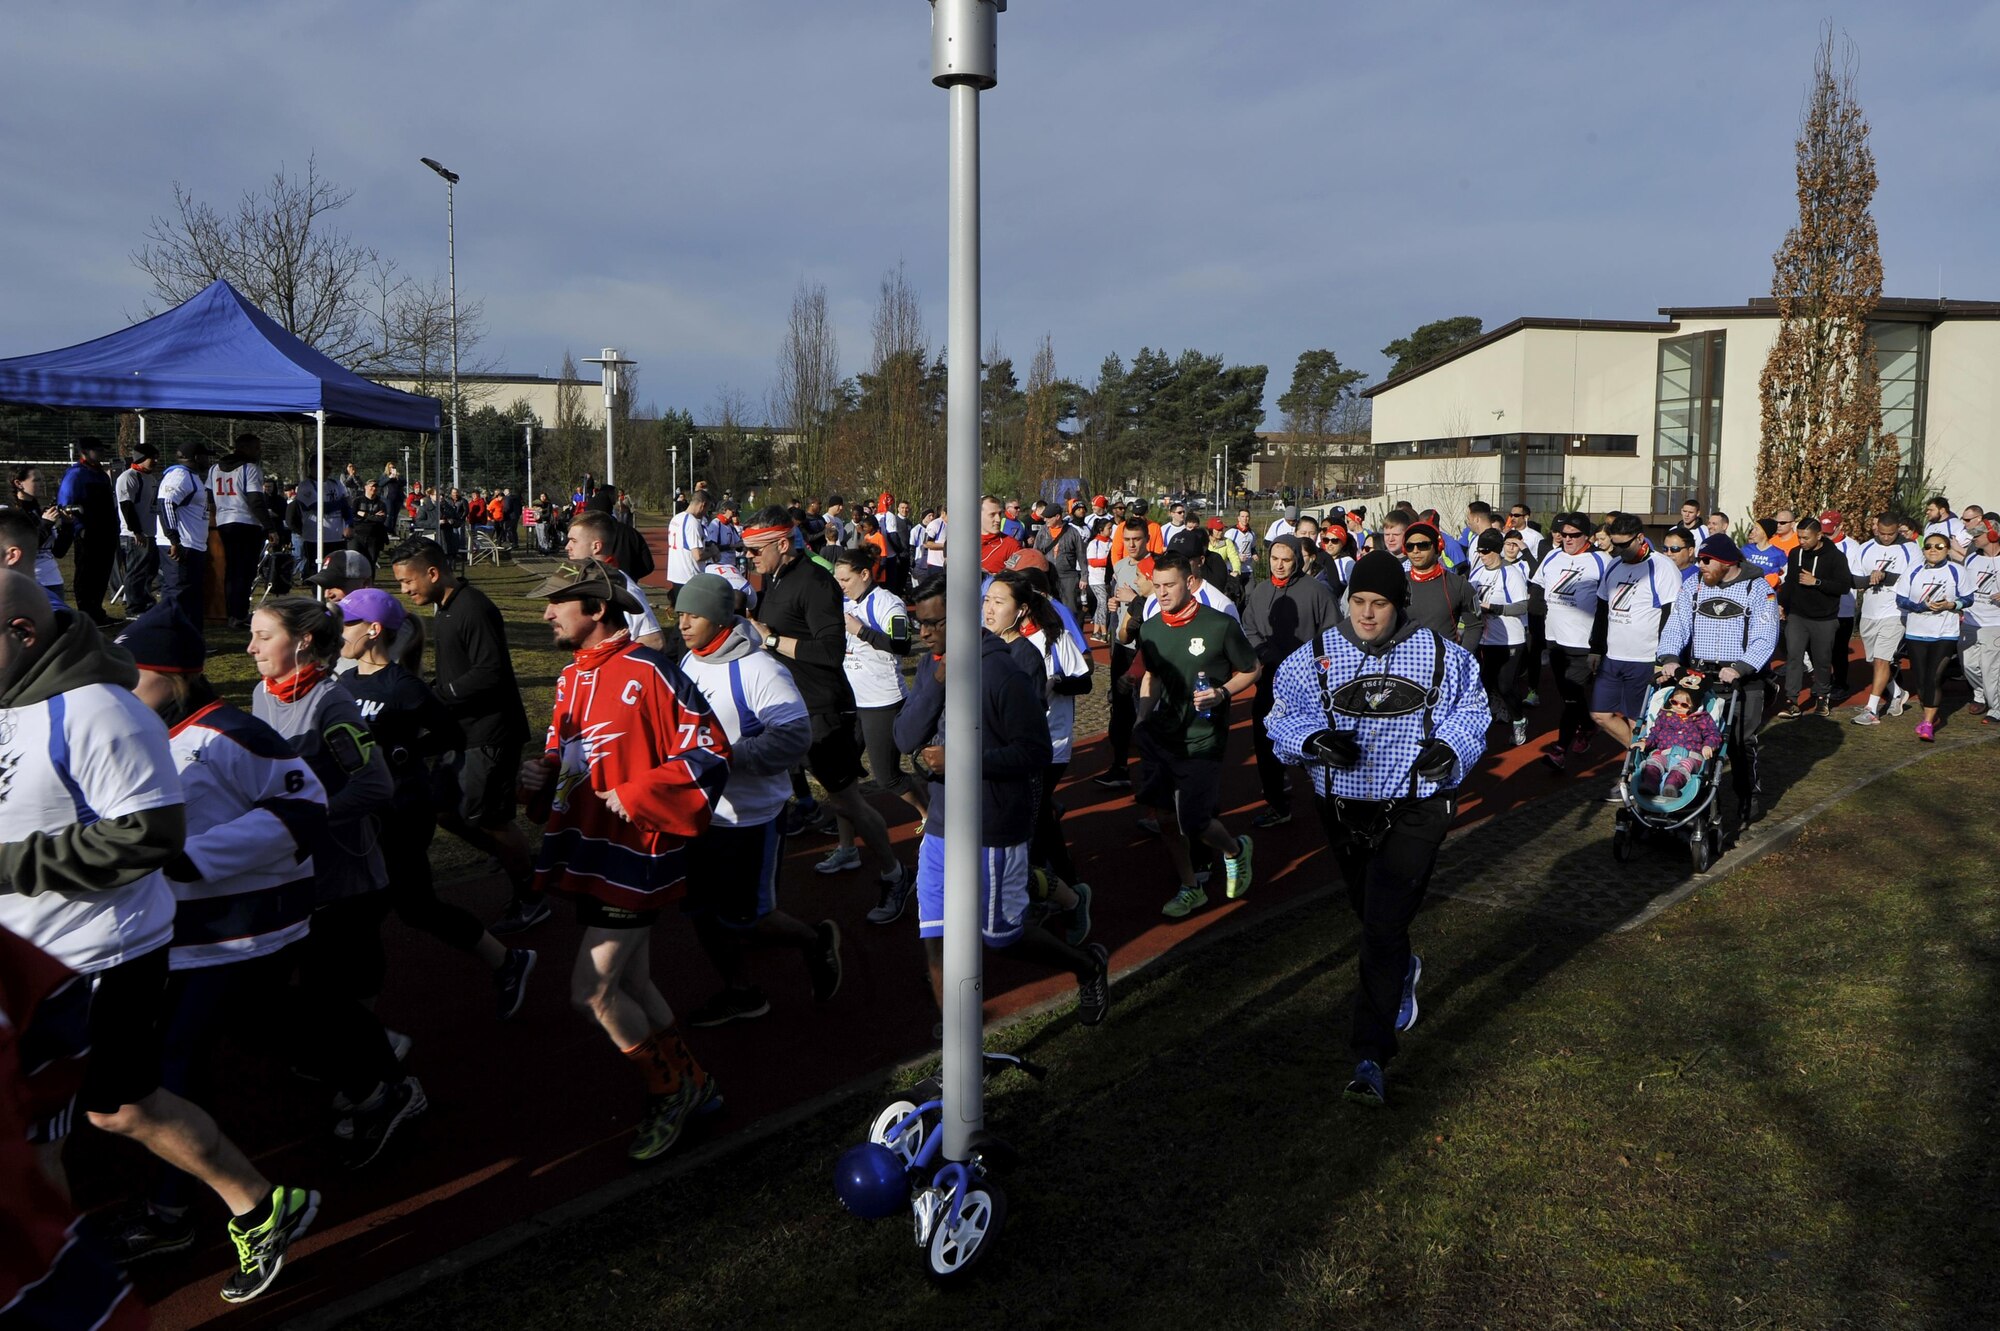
<point x="1682" y="740"/>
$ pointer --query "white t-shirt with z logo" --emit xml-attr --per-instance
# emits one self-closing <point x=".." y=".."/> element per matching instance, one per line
<point x="1634" y="595"/>
<point x="1893" y="561"/>
<point x="1569" y="588"/>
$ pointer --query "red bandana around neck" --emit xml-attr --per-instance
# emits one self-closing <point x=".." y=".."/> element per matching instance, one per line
<point x="296" y="685"/>
<point x="1181" y="618"/>
<point x="1431" y="574"/>
<point x="589" y="658"/>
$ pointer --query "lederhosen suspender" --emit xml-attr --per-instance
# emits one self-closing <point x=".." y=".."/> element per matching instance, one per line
<point x="1382" y="813"/>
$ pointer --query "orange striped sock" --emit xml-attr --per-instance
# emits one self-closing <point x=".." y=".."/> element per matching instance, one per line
<point x="658" y="1071"/>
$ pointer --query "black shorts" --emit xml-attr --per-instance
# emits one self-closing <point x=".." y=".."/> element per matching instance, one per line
<point x="732" y="872"/>
<point x="594" y="914"/>
<point x="835" y="756"/>
<point x="487" y="776"/>
<point x="1190" y="787"/>
<point x="128" y="1010"/>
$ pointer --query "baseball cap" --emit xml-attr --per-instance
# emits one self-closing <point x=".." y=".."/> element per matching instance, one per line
<point x="593" y="578"/>
<point x="344" y="569"/>
<point x="372" y="605"/>
<point x="1097" y="501"/>
<point x="1830" y="518"/>
<point x="1215" y="524"/>
<point x="165" y="641"/>
<point x="1026" y="559"/>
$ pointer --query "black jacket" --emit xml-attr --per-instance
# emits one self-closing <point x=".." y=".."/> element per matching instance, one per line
<point x="1822" y="599"/>
<point x="475" y="670"/>
<point x="802" y="601"/>
<point x="1448" y="606"/>
<point x="1013" y="730"/>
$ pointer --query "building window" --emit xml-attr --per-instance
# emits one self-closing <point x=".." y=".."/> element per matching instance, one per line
<point x="1902" y="363"/>
<point x="1687" y="421"/>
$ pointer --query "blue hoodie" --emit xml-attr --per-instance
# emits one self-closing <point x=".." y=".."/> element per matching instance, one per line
<point x="1014" y="725"/>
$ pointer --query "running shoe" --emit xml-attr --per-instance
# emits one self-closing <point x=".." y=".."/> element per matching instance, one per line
<point x="1093" y="996"/>
<point x="1534" y="699"/>
<point x="1079" y="915"/>
<point x="1926" y="732"/>
<point x="1790" y="711"/>
<point x="730" y="1005"/>
<point x="1864" y="717"/>
<point x="1520" y="733"/>
<point x="510" y="982"/>
<point x="399" y="1044"/>
<point x="1406" y="1015"/>
<point x="798" y="814"/>
<point x="523" y="914"/>
<point x="1824" y="707"/>
<point x="1975" y="709"/>
<point x="1149" y="825"/>
<point x="375" y="1124"/>
<point x="1580" y="745"/>
<point x="823" y="962"/>
<point x="1184" y="903"/>
<point x="137" y="1232"/>
<point x="1271" y="817"/>
<point x="895" y="896"/>
<point x="260" y="1249"/>
<point x="1556" y="757"/>
<point x="1236" y="871"/>
<point x="839" y="860"/>
<point x="1115" y="779"/>
<point x="1896" y="703"/>
<point x="1366" y="1086"/>
<point x="666" y="1115"/>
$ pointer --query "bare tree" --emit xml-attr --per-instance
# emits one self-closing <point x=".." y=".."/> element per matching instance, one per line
<point x="281" y="249"/>
<point x="807" y="391"/>
<point x="1041" y="442"/>
<point x="1822" y="401"/>
<point x="569" y="440"/>
<point x="903" y="448"/>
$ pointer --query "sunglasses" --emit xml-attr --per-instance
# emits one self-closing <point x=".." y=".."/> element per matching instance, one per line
<point x="1573" y="535"/>
<point x="1937" y="547"/>
<point x="1677" y="549"/>
<point x="923" y="623"/>
<point x="1419" y="545"/>
<point x="1625" y="544"/>
<point x="1679" y="705"/>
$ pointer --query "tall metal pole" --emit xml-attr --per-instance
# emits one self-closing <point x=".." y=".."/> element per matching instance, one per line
<point x="611" y="362"/>
<point x="529" y="497"/>
<point x="451" y="268"/>
<point x="963" y="61"/>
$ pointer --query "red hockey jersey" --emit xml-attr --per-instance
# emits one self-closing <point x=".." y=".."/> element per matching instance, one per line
<point x="627" y="720"/>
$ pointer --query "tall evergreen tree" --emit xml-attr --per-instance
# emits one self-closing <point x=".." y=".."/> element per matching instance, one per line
<point x="1822" y="401"/>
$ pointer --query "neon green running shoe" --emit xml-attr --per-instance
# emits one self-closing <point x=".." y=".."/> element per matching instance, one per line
<point x="1184" y="903"/>
<point x="1236" y="871"/>
<point x="260" y="1250"/>
<point x="668" y="1114"/>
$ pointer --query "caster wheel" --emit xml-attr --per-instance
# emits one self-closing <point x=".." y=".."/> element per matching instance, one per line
<point x="910" y="1143"/>
<point x="955" y="1250"/>
<point x="1621" y="845"/>
<point x="1699" y="854"/>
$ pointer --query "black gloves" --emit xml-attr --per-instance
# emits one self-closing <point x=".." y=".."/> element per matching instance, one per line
<point x="1336" y="748"/>
<point x="1435" y="760"/>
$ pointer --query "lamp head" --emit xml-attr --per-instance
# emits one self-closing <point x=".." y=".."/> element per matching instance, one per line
<point x="435" y="165"/>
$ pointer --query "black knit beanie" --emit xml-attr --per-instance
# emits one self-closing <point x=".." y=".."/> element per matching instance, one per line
<point x="1381" y="573"/>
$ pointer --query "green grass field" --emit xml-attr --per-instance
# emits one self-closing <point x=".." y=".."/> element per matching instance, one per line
<point x="1771" y="1107"/>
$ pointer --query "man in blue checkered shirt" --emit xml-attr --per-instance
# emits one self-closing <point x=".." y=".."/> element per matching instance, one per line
<point x="1728" y="619"/>
<point x="1390" y="717"/>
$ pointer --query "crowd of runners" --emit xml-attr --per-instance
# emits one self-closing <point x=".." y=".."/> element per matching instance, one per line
<point x="170" y="861"/>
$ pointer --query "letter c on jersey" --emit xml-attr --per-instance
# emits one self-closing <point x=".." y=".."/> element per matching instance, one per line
<point x="631" y="693"/>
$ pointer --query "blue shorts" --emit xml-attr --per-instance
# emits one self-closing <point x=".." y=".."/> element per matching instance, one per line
<point x="1004" y="871"/>
<point x="1622" y="687"/>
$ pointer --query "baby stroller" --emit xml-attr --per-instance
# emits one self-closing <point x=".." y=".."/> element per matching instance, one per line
<point x="1692" y="814"/>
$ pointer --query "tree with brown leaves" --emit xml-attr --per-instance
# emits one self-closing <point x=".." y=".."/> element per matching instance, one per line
<point x="1822" y="402"/>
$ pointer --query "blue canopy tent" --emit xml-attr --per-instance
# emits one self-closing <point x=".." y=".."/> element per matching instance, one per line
<point x="215" y="354"/>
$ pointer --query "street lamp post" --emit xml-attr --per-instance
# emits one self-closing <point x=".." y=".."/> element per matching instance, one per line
<point x="451" y="269"/>
<point x="611" y="362"/>
<point x="964" y="61"/>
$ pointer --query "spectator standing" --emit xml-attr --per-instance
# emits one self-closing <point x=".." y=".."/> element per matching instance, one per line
<point x="688" y="547"/>
<point x="86" y="491"/>
<point x="137" y="492"/>
<point x="1981" y="633"/>
<point x="243" y="521"/>
<point x="394" y="494"/>
<point x="182" y="531"/>
<point x="371" y="524"/>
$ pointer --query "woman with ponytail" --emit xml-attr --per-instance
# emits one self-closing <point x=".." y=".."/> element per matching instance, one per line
<point x="295" y="641"/>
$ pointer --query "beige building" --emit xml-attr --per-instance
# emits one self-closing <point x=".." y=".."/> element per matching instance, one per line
<point x="501" y="391"/>
<point x="1598" y="414"/>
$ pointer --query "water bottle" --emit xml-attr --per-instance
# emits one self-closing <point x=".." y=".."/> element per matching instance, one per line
<point x="1201" y="686"/>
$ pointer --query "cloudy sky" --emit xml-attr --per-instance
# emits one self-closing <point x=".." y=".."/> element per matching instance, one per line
<point x="1250" y="177"/>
